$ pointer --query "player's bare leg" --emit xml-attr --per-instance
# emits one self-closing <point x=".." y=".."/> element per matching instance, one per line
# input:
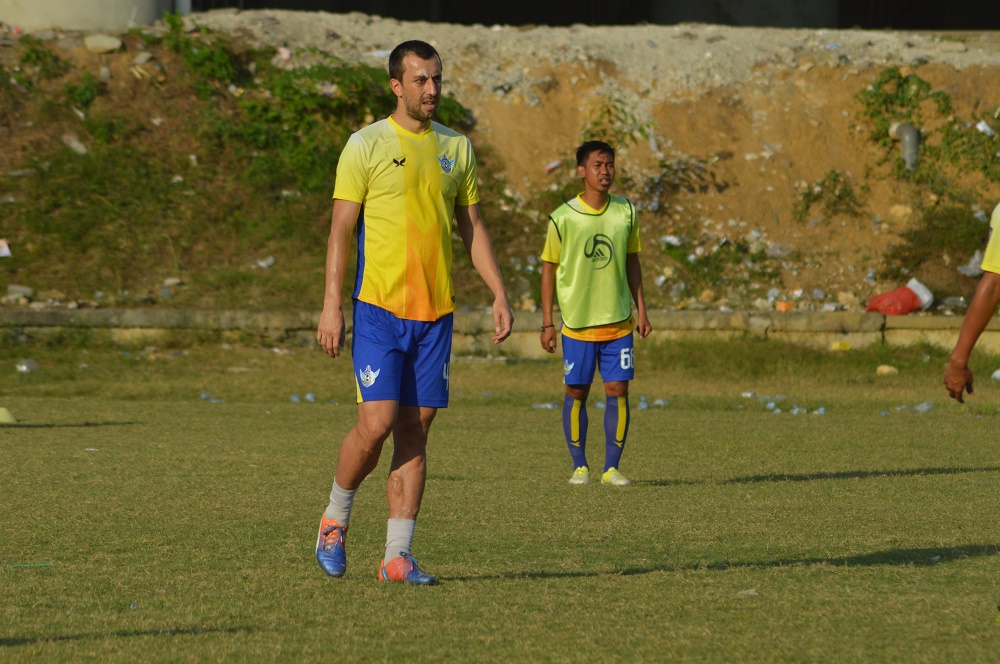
<point x="358" y="456"/>
<point x="404" y="491"/>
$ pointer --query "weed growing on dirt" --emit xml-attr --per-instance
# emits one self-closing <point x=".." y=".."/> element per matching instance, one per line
<point x="951" y="230"/>
<point x="614" y="123"/>
<point x="39" y="61"/>
<point x="83" y="94"/>
<point x="835" y="195"/>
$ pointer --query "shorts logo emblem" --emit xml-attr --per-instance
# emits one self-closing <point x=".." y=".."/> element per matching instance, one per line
<point x="567" y="367"/>
<point x="368" y="376"/>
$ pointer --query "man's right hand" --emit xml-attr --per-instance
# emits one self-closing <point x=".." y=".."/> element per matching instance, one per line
<point x="331" y="334"/>
<point x="957" y="379"/>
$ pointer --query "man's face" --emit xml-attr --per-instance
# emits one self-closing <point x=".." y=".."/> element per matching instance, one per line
<point x="598" y="172"/>
<point x="420" y="88"/>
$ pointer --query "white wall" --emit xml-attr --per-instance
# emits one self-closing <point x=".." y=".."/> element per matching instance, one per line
<point x="89" y="15"/>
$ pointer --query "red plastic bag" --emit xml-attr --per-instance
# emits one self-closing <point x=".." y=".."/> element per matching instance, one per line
<point x="904" y="300"/>
<point x="895" y="303"/>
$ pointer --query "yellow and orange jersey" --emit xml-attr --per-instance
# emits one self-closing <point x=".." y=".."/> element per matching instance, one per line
<point x="408" y="186"/>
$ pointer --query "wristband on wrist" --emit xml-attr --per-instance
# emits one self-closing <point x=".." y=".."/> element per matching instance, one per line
<point x="545" y="327"/>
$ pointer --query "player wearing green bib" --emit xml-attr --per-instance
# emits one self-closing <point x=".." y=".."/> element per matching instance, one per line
<point x="591" y="262"/>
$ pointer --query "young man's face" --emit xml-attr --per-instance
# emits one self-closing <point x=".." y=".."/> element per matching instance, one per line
<point x="598" y="172"/>
<point x="420" y="88"/>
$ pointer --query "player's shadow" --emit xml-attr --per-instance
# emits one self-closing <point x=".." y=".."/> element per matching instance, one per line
<point x="826" y="475"/>
<point x="73" y="425"/>
<point x="14" y="641"/>
<point x="857" y="474"/>
<point x="891" y="557"/>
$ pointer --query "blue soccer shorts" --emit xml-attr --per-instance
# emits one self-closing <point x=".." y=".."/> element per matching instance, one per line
<point x="400" y="360"/>
<point x="581" y="358"/>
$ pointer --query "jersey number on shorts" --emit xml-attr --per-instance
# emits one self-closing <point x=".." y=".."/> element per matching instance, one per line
<point x="626" y="359"/>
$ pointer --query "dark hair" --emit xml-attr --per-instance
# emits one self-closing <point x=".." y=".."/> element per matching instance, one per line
<point x="421" y="49"/>
<point x="584" y="151"/>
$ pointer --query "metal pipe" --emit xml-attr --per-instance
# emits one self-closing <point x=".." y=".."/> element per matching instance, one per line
<point x="910" y="139"/>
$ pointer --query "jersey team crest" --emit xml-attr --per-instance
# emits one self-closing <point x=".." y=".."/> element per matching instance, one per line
<point x="368" y="376"/>
<point x="446" y="164"/>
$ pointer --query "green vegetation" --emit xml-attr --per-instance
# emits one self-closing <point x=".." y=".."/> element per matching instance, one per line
<point x="615" y="123"/>
<point x="748" y="536"/>
<point x="834" y="194"/>
<point x="84" y="93"/>
<point x="948" y="143"/>
<point x="251" y="156"/>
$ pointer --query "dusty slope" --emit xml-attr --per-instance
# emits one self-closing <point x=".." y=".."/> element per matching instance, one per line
<point x="738" y="123"/>
<point x="764" y="111"/>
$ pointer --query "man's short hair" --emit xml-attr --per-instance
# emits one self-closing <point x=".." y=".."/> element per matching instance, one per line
<point x="421" y="49"/>
<point x="592" y="146"/>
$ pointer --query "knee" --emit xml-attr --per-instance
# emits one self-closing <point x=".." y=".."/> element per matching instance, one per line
<point x="578" y="392"/>
<point x="618" y="389"/>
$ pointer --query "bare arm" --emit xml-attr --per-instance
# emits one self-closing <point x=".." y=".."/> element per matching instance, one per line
<point x="331" y="334"/>
<point x="477" y="242"/>
<point x="548" y="300"/>
<point x="633" y="272"/>
<point x="957" y="376"/>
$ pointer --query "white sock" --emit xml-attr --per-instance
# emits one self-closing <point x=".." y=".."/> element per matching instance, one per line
<point x="399" y="537"/>
<point x="341" y="503"/>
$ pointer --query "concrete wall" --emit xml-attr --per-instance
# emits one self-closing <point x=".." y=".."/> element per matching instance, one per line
<point x="114" y="16"/>
<point x="474" y="329"/>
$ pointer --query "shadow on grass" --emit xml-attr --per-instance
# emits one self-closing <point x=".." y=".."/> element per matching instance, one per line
<point x="13" y="641"/>
<point x="78" y="425"/>
<point x="892" y="557"/>
<point x="834" y="475"/>
<point x="858" y="474"/>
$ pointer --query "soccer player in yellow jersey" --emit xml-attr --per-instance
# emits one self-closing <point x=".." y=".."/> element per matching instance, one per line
<point x="957" y="375"/>
<point x="591" y="260"/>
<point x="400" y="181"/>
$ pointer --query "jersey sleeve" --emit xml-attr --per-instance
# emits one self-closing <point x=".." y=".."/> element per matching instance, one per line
<point x="468" y="188"/>
<point x="553" y="244"/>
<point x="634" y="240"/>
<point x="352" y="172"/>
<point x="991" y="257"/>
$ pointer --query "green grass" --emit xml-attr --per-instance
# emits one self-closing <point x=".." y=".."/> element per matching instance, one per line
<point x="171" y="528"/>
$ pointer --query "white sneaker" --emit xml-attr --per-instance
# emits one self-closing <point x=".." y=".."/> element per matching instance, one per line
<point x="580" y="476"/>
<point x="614" y="478"/>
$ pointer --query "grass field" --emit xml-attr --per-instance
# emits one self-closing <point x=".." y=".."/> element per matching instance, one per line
<point x="142" y="521"/>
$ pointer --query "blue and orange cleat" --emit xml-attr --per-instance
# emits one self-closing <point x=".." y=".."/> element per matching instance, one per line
<point x="404" y="570"/>
<point x="330" y="552"/>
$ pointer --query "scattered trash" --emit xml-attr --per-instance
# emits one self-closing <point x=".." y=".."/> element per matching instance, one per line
<point x="281" y="351"/>
<point x="985" y="128"/>
<point x="74" y="144"/>
<point x="972" y="269"/>
<point x="546" y="406"/>
<point x="784" y="306"/>
<point x="265" y="263"/>
<point x="331" y="402"/>
<point x="954" y="302"/>
<point x="643" y="405"/>
<point x="205" y="396"/>
<point x="981" y="216"/>
<point x="905" y="299"/>
<point x="15" y="565"/>
<point x="748" y="395"/>
<point x="133" y="606"/>
<point x="672" y="240"/>
<point x="379" y="53"/>
<point x="996" y="375"/>
<point x="840" y="345"/>
<point x="935" y="559"/>
<point x="5" y="249"/>
<point x="886" y="370"/>
<point x="296" y="398"/>
<point x="310" y="397"/>
<point x="6" y="417"/>
<point x="661" y="403"/>
<point x="819" y="411"/>
<point x="553" y="165"/>
<point x="599" y="405"/>
<point x="924" y="407"/>
<point x="749" y="592"/>
<point x="27" y="366"/>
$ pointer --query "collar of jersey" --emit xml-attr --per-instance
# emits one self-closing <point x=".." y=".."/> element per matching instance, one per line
<point x="587" y="209"/>
<point x="426" y="132"/>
